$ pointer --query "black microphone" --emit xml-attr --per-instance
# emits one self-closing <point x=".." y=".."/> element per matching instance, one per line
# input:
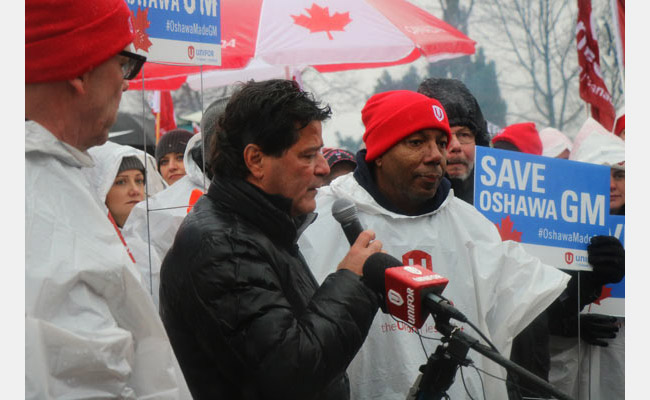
<point x="410" y="292"/>
<point x="345" y="212"/>
<point x="374" y="275"/>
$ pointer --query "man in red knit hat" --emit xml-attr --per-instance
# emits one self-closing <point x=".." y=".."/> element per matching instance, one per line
<point x="401" y="192"/>
<point x="91" y="328"/>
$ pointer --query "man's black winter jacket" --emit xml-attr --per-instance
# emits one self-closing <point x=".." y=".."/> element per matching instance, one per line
<point x="244" y="314"/>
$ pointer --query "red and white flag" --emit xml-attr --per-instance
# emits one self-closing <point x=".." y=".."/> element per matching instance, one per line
<point x="331" y="35"/>
<point x="592" y="86"/>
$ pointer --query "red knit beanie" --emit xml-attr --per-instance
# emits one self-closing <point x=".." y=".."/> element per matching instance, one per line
<point x="619" y="127"/>
<point x="391" y="116"/>
<point x="66" y="38"/>
<point x="524" y="136"/>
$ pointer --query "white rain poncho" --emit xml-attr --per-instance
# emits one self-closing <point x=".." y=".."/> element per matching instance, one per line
<point x="91" y="330"/>
<point x="554" y="142"/>
<point x="584" y="371"/>
<point x="107" y="159"/>
<point x="166" y="212"/>
<point x="596" y="145"/>
<point x="498" y="286"/>
<point x="579" y="369"/>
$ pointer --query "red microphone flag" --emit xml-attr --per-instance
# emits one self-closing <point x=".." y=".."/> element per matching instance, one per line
<point x="406" y="286"/>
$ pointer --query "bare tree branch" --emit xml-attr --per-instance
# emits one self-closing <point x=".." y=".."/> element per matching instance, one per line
<point x="539" y="37"/>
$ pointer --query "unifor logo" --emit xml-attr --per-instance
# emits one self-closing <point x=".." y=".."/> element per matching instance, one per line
<point x="395" y="297"/>
<point x="438" y="113"/>
<point x="418" y="257"/>
<point x="190" y="52"/>
<point x="413" y="270"/>
<point x="568" y="257"/>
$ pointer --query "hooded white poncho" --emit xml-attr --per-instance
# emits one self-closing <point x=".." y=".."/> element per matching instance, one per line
<point x="153" y="223"/>
<point x="498" y="286"/>
<point x="91" y="330"/>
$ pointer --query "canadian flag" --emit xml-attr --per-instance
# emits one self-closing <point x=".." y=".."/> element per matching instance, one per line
<point x="592" y="87"/>
<point x="162" y="107"/>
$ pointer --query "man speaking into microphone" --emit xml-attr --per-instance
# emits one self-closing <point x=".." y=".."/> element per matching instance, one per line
<point x="244" y="314"/>
<point x="401" y="194"/>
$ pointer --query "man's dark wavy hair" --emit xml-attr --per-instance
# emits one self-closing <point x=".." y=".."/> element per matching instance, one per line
<point x="269" y="114"/>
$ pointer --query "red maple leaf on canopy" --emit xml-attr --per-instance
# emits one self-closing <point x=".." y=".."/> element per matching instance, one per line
<point x="319" y="20"/>
<point x="141" y="24"/>
<point x="506" y="231"/>
<point x="607" y="292"/>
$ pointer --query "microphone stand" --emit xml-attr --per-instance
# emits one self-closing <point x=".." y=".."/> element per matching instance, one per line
<point x="439" y="371"/>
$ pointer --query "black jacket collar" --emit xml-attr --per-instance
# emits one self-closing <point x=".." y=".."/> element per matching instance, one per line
<point x="364" y="177"/>
<point x="271" y="213"/>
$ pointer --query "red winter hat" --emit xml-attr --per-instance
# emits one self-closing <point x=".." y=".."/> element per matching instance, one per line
<point x="66" y="38"/>
<point x="524" y="136"/>
<point x="334" y="156"/>
<point x="391" y="116"/>
<point x="620" y="125"/>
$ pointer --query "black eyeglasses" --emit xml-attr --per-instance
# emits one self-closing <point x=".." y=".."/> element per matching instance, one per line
<point x="131" y="68"/>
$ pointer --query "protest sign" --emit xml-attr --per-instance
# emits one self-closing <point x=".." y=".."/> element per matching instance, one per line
<point x="177" y="31"/>
<point x="552" y="206"/>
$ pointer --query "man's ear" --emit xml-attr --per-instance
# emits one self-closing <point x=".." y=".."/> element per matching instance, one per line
<point x="378" y="161"/>
<point x="254" y="159"/>
<point x="80" y="83"/>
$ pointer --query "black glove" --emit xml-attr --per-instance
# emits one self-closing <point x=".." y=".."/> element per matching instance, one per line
<point x="594" y="327"/>
<point x="607" y="256"/>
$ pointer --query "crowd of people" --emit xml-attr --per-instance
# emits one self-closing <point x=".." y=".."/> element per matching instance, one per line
<point x="215" y="270"/>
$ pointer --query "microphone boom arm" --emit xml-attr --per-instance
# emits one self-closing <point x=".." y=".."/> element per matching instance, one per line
<point x="439" y="371"/>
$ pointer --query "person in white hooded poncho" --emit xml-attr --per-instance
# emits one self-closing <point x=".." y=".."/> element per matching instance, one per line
<point x="400" y="193"/>
<point x="593" y="369"/>
<point x="555" y="143"/>
<point x="158" y="217"/>
<point x="596" y="145"/>
<point x="91" y="329"/>
<point x="109" y="159"/>
<point x="154" y="222"/>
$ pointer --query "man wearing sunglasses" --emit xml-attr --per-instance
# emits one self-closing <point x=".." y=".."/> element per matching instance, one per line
<point x="91" y="328"/>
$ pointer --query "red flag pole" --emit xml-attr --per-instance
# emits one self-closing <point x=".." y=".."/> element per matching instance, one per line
<point x="157" y="127"/>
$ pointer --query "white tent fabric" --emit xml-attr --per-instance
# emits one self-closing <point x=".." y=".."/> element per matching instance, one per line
<point x="496" y="284"/>
<point x="91" y="330"/>
<point x="257" y="70"/>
